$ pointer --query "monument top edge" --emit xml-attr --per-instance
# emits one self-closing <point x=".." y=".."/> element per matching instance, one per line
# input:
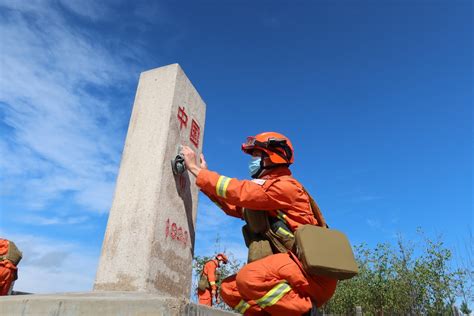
<point x="175" y="65"/>
<point x="175" y="69"/>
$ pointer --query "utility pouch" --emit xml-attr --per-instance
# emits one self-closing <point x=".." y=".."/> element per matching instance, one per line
<point x="249" y="236"/>
<point x="277" y="245"/>
<point x="324" y="251"/>
<point x="13" y="254"/>
<point x="257" y="221"/>
<point x="203" y="283"/>
<point x="282" y="233"/>
<point x="265" y="235"/>
<point x="259" y="249"/>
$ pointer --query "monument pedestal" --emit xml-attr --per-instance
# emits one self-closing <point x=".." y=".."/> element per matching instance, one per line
<point x="103" y="304"/>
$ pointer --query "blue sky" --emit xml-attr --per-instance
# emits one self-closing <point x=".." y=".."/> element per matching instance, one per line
<point x="375" y="95"/>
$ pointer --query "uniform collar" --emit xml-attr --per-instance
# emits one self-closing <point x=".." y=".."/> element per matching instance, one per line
<point x="277" y="172"/>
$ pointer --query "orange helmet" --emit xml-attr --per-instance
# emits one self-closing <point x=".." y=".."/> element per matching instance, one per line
<point x="221" y="256"/>
<point x="277" y="146"/>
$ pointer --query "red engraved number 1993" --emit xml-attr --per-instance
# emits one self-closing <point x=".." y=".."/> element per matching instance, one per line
<point x="176" y="233"/>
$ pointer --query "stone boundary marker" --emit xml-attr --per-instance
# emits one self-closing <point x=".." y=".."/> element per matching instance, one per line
<point x="149" y="240"/>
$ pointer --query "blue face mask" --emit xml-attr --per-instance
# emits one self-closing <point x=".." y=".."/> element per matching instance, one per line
<point x="254" y="165"/>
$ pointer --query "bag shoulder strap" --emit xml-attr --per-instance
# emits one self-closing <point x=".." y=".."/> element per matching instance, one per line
<point x="316" y="211"/>
<point x="314" y="206"/>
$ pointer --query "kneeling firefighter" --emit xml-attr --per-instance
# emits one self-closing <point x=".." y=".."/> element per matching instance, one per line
<point x="207" y="286"/>
<point x="10" y="256"/>
<point x="274" y="205"/>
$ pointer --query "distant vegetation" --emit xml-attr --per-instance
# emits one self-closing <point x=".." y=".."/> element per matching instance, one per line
<point x="409" y="278"/>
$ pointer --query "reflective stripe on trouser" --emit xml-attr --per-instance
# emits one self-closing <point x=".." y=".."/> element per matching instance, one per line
<point x="242" y="306"/>
<point x="268" y="281"/>
<point x="274" y="295"/>
<point x="221" y="187"/>
<point x="269" y="299"/>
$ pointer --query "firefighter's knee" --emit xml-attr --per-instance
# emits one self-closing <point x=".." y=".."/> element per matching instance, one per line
<point x="228" y="286"/>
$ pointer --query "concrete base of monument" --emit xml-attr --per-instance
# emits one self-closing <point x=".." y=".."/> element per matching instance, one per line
<point x="103" y="304"/>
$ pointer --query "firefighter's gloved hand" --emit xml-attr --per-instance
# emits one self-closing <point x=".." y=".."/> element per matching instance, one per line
<point x="203" y="162"/>
<point x="190" y="160"/>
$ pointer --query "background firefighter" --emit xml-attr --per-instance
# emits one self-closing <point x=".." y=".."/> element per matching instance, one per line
<point x="10" y="256"/>
<point x="274" y="282"/>
<point x="207" y="286"/>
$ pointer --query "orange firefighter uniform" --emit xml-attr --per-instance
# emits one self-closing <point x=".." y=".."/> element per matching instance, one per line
<point x="8" y="271"/>
<point x="276" y="283"/>
<point x="209" y="270"/>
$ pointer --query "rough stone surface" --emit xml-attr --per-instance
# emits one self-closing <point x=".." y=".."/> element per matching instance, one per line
<point x="103" y="304"/>
<point x="149" y="240"/>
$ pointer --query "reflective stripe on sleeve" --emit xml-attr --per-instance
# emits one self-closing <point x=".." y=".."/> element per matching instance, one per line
<point x="221" y="187"/>
<point x="274" y="295"/>
<point x="212" y="283"/>
<point x="242" y="307"/>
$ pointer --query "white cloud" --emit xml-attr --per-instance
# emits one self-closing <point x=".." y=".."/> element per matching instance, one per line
<point x="46" y="221"/>
<point x="25" y="6"/>
<point x="50" y="266"/>
<point x="94" y="10"/>
<point x="52" y="85"/>
<point x="211" y="218"/>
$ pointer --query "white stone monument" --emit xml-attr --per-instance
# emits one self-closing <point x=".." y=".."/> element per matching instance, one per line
<point x="149" y="240"/>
